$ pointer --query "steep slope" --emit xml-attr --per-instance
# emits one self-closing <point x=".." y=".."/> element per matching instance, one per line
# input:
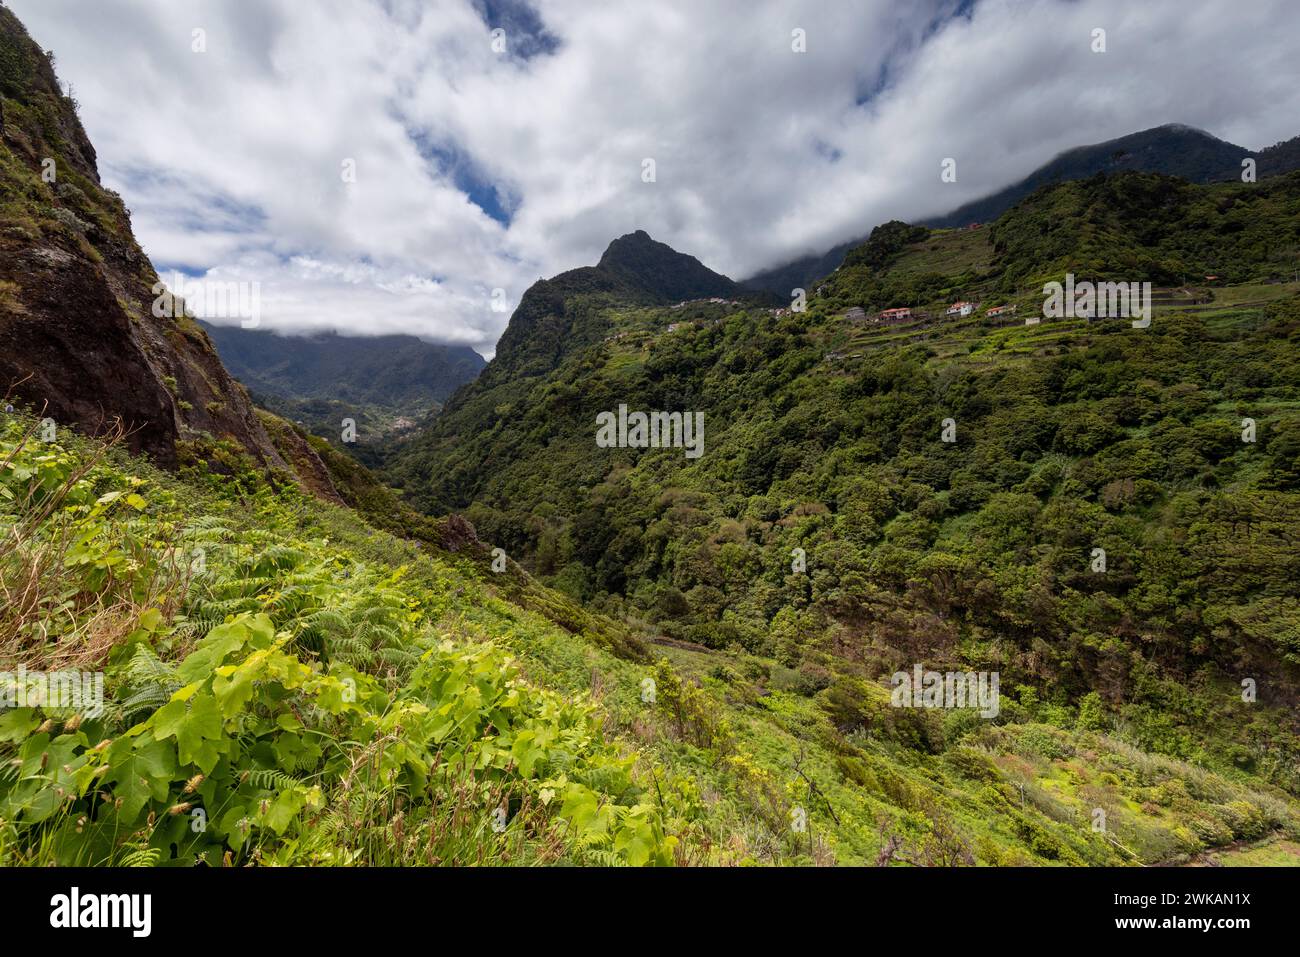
<point x="78" y="337"/>
<point x="351" y="698"/>
<point x="1172" y="149"/>
<point x="830" y="536"/>
<point x="558" y="315"/>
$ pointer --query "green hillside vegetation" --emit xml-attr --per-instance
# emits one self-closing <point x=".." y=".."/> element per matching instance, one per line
<point x="1132" y="227"/>
<point x="320" y="693"/>
<point x="315" y="691"/>
<point x="1173" y="150"/>
<point x="514" y="646"/>
<point x="826" y="435"/>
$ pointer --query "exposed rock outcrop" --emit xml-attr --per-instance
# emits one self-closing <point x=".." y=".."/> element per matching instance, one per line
<point x="78" y="337"/>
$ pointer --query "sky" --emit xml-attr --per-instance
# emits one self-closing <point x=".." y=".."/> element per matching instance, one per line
<point x="380" y="166"/>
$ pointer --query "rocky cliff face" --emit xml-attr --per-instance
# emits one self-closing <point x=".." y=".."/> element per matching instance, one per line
<point x="78" y="337"/>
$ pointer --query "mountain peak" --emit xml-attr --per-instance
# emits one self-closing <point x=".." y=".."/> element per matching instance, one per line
<point x="661" y="271"/>
<point x="1181" y="128"/>
<point x="637" y="243"/>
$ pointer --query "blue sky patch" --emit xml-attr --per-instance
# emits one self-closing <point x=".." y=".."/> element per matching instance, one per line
<point x="465" y="175"/>
<point x="526" y="35"/>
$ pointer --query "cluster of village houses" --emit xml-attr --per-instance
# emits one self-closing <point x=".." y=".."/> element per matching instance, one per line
<point x="716" y="300"/>
<point x="906" y="313"/>
<point x="855" y="314"/>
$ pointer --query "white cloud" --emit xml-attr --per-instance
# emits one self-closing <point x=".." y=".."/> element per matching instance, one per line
<point x="231" y="159"/>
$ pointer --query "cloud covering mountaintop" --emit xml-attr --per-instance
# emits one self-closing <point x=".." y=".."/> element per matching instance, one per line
<point x="482" y="165"/>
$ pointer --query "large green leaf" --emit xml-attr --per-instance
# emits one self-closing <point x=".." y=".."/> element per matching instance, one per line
<point x="142" y="773"/>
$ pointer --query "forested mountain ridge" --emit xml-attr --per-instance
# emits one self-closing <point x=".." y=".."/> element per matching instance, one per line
<point x="1173" y="150"/>
<point x="299" y="669"/>
<point x="560" y="314"/>
<point x="1133" y="226"/>
<point x="1073" y="439"/>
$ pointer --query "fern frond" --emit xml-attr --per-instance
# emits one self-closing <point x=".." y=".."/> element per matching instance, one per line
<point x="273" y="780"/>
<point x="142" y="857"/>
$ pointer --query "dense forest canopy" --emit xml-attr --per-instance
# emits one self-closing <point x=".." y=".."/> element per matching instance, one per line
<point x="947" y="585"/>
<point x="825" y="440"/>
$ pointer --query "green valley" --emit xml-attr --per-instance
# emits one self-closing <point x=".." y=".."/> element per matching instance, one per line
<point x="872" y="560"/>
<point x="1099" y="532"/>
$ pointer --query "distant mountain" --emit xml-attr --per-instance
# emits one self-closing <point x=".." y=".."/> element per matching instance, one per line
<point x="1173" y="149"/>
<point x="1280" y="157"/>
<point x="400" y="373"/>
<point x="801" y="273"/>
<point x="557" y="319"/>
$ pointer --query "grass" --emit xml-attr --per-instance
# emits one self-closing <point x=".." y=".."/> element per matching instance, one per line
<point x="112" y="566"/>
<point x="1254" y="293"/>
<point x="948" y="252"/>
<point x="714" y="768"/>
<point x="1270" y="853"/>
